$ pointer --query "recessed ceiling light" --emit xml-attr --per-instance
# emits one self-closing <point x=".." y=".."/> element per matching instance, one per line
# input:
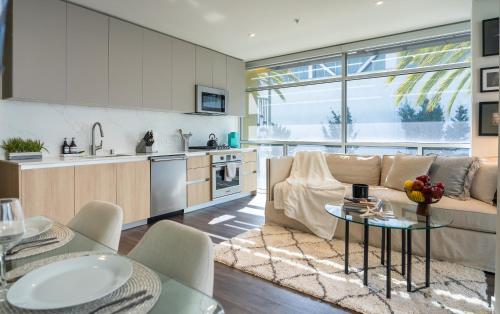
<point x="379" y="2"/>
<point x="251" y="35"/>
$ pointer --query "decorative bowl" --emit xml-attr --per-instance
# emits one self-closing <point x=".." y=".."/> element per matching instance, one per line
<point x="424" y="193"/>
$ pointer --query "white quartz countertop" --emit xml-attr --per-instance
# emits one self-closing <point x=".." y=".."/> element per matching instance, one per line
<point x="59" y="161"/>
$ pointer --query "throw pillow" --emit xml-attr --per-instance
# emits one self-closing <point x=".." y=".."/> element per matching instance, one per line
<point x="484" y="184"/>
<point x="456" y="172"/>
<point x="407" y="167"/>
<point x="354" y="169"/>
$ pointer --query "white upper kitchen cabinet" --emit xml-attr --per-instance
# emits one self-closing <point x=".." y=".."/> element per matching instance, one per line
<point x="87" y="53"/>
<point x="183" y="76"/>
<point x="37" y="70"/>
<point x="219" y="70"/>
<point x="235" y="87"/>
<point x="125" y="64"/>
<point x="157" y="71"/>
<point x="203" y="66"/>
<point x="210" y="68"/>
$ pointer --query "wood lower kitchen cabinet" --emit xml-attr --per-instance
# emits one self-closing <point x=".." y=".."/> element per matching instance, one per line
<point x="249" y="177"/>
<point x="133" y="190"/>
<point x="49" y="192"/>
<point x="94" y="182"/>
<point x="249" y="172"/>
<point x="199" y="189"/>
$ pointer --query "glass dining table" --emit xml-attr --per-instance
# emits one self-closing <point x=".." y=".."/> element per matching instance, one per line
<point x="175" y="297"/>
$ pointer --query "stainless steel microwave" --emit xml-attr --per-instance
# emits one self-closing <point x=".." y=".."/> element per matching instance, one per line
<point x="210" y="100"/>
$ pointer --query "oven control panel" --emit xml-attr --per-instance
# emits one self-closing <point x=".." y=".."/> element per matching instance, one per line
<point x="223" y="158"/>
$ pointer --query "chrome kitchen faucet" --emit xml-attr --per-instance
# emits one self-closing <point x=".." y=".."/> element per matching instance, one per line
<point x="93" y="147"/>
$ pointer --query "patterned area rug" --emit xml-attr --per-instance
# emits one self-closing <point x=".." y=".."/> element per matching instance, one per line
<point x="314" y="266"/>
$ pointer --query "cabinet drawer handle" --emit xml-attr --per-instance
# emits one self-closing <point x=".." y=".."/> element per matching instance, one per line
<point x="198" y="181"/>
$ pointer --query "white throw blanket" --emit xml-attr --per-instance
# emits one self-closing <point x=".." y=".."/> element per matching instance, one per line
<point x="307" y="190"/>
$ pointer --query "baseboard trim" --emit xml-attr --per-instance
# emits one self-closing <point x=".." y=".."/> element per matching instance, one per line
<point x="134" y="224"/>
<point x="220" y="200"/>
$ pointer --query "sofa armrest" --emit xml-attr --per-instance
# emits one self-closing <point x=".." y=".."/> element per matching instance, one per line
<point x="277" y="170"/>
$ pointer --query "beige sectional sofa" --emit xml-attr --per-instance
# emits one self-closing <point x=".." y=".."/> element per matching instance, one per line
<point x="469" y="240"/>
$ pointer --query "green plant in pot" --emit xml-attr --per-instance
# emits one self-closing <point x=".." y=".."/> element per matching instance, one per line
<point x="17" y="148"/>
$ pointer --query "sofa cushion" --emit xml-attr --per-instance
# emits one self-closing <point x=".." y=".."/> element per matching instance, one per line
<point x="484" y="184"/>
<point x="471" y="214"/>
<point x="407" y="167"/>
<point x="454" y="172"/>
<point x="354" y="169"/>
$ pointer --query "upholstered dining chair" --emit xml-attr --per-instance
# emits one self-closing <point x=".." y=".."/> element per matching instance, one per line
<point x="180" y="252"/>
<point x="100" y="221"/>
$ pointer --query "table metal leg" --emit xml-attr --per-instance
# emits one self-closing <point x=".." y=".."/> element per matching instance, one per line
<point x="408" y="253"/>
<point x="403" y="252"/>
<point x="365" y="256"/>
<point x="346" y="248"/>
<point x="382" y="247"/>
<point x="427" y="257"/>
<point x="388" y="265"/>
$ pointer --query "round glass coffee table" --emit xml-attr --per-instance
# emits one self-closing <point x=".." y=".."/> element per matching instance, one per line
<point x="394" y="216"/>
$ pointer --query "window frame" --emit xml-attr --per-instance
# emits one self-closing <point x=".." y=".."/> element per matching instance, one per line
<point x="344" y="78"/>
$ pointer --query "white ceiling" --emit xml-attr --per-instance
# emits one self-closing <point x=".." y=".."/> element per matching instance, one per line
<point x="225" y="25"/>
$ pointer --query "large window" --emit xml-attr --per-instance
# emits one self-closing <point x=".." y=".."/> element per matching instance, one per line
<point x="295" y="113"/>
<point x="430" y="107"/>
<point x="417" y="55"/>
<point x="413" y="98"/>
<point x="303" y="71"/>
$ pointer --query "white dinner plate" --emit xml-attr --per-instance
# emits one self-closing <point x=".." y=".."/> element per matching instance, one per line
<point x="36" y="225"/>
<point x="70" y="282"/>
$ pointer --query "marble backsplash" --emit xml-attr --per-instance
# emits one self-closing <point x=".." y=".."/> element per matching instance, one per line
<point x="123" y="128"/>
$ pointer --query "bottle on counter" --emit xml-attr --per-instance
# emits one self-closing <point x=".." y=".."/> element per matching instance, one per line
<point x="73" y="149"/>
<point x="65" y="147"/>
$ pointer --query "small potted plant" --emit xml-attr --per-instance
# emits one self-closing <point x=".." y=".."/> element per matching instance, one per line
<point x="424" y="193"/>
<point x="17" y="148"/>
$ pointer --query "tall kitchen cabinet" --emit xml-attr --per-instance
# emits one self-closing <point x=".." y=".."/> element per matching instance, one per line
<point x="87" y="54"/>
<point x="157" y="70"/>
<point x="125" y="64"/>
<point x="236" y="87"/>
<point x="183" y="76"/>
<point x="36" y="51"/>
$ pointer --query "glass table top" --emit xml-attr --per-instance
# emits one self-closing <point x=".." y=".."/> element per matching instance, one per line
<point x="174" y="298"/>
<point x="394" y="216"/>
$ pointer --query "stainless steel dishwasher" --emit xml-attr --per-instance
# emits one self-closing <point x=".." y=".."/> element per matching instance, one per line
<point x="168" y="184"/>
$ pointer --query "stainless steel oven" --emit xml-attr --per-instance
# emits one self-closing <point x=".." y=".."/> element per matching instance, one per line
<point x="210" y="100"/>
<point x="226" y="170"/>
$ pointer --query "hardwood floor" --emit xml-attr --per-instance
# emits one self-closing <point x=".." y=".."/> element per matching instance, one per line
<point x="236" y="291"/>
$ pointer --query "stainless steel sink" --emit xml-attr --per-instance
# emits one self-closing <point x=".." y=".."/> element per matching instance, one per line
<point x="105" y="156"/>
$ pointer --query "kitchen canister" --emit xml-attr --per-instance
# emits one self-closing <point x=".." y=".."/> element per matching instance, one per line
<point x="233" y="139"/>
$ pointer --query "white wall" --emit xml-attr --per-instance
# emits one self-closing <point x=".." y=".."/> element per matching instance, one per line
<point x="122" y="128"/>
<point x="483" y="146"/>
